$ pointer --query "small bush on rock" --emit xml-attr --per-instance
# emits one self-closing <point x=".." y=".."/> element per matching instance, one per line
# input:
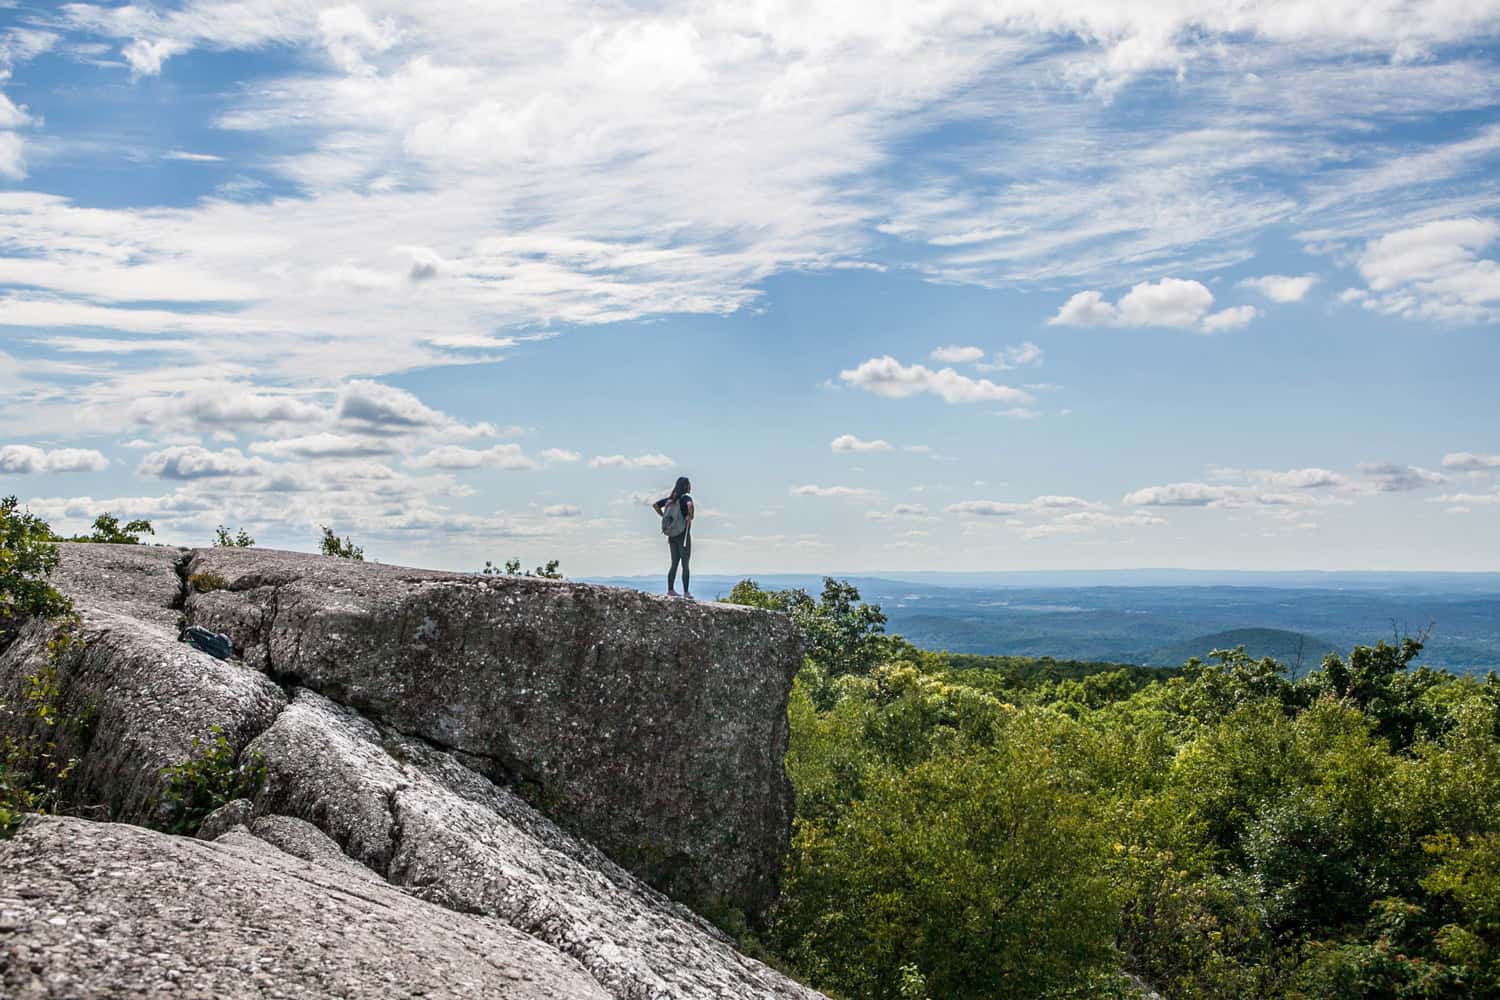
<point x="31" y="772"/>
<point x="205" y="781"/>
<point x="107" y="529"/>
<point x="239" y="540"/>
<point x="205" y="583"/>
<point x="342" y="548"/>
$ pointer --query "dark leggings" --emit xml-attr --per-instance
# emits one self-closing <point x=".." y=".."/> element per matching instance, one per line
<point x="682" y="551"/>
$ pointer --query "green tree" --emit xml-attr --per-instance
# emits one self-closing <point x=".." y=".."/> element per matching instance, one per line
<point x="547" y="571"/>
<point x="239" y="540"/>
<point x="982" y="868"/>
<point x="341" y="548"/>
<point x="27" y="556"/>
<point x="107" y="528"/>
<point x="843" y="634"/>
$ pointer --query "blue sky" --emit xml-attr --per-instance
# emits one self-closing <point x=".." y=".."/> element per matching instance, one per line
<point x="968" y="286"/>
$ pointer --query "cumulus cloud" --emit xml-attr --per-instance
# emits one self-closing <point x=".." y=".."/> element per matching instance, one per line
<point x="656" y="461"/>
<point x="1468" y="461"/>
<point x="1087" y="522"/>
<point x="22" y="459"/>
<point x="323" y="445"/>
<point x="385" y="408"/>
<point x="1282" y="287"/>
<point x="562" y="510"/>
<point x="560" y="456"/>
<point x="1433" y="271"/>
<point x="1170" y="302"/>
<point x="1022" y="355"/>
<point x="1388" y="477"/>
<point x="230" y="408"/>
<point x="885" y="376"/>
<point x="829" y="491"/>
<point x="985" y="508"/>
<point x="953" y="354"/>
<point x="186" y="462"/>
<point x="997" y="508"/>
<point x="848" y="442"/>
<point x="1182" y="495"/>
<point x="507" y="457"/>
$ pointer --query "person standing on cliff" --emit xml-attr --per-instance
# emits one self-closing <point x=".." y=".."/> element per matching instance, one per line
<point x="676" y="510"/>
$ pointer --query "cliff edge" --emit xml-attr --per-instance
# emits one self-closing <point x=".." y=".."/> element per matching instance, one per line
<point x="561" y="759"/>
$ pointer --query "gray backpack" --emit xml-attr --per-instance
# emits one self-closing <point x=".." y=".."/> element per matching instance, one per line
<point x="673" y="521"/>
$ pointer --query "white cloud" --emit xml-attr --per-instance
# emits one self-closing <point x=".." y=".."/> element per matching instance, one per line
<point x="1170" y="302"/>
<point x="1433" y="271"/>
<point x="1229" y="319"/>
<point x="1182" y="495"/>
<point x="1308" y="479"/>
<point x="384" y="408"/>
<point x="1086" y="309"/>
<point x="507" y="457"/>
<point x="885" y="376"/>
<point x="322" y="445"/>
<point x="909" y="510"/>
<point x="22" y="459"/>
<point x="184" y="155"/>
<point x="560" y="456"/>
<point x="562" y="510"/>
<point x="1087" y="522"/>
<point x="848" y="442"/>
<point x="985" y="508"/>
<point x="1482" y="499"/>
<point x="1388" y="477"/>
<point x="1467" y="460"/>
<point x="1023" y="355"/>
<point x="829" y="491"/>
<point x="656" y="461"/>
<point x="228" y="408"/>
<point x="1282" y="287"/>
<point x="953" y="354"/>
<point x="187" y="462"/>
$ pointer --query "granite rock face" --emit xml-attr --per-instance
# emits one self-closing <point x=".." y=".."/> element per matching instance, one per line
<point x="108" y="910"/>
<point x="147" y="697"/>
<point x="655" y="728"/>
<point x="415" y="727"/>
<point x="449" y="835"/>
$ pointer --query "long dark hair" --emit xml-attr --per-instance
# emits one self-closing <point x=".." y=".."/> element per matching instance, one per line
<point x="681" y="489"/>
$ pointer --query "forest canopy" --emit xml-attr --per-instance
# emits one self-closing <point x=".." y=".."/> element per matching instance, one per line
<point x="972" y="827"/>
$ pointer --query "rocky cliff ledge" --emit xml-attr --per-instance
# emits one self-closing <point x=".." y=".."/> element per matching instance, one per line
<point x="529" y="756"/>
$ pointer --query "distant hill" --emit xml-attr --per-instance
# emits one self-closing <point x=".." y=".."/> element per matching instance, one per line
<point x="1299" y="651"/>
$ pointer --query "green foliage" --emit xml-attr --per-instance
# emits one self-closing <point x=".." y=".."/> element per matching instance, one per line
<point x="341" y="548"/>
<point x="547" y="571"/>
<point x="239" y="540"/>
<point x="206" y="582"/>
<point x="204" y="782"/>
<point x="107" y="529"/>
<point x="27" y="556"/>
<point x="33" y="771"/>
<point x="843" y="635"/>
<point x="1221" y="831"/>
<point x="981" y="868"/>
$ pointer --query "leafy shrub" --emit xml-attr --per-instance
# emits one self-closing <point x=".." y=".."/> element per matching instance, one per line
<point x="205" y="781"/>
<point x="547" y="571"/>
<point x="843" y="634"/>
<point x="340" y="548"/>
<point x="206" y="582"/>
<point x="27" y="555"/>
<point x="31" y="770"/>
<point x="107" y="529"/>
<point x="239" y="540"/>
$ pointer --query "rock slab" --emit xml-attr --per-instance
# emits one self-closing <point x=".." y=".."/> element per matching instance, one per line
<point x="108" y="910"/>
<point x="654" y="728"/>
